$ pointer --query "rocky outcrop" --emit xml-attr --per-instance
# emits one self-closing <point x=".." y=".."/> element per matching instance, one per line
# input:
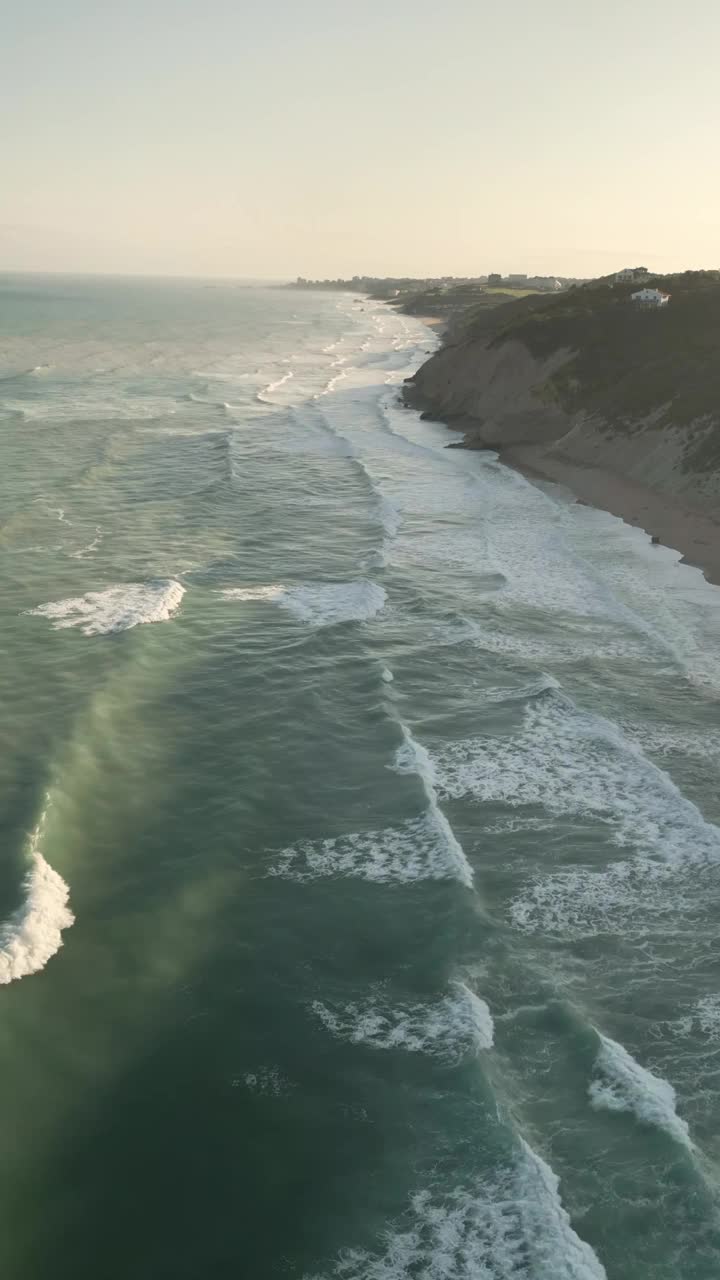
<point x="496" y="393"/>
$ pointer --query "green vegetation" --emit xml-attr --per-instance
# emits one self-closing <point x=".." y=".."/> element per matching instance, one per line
<point x="513" y="293"/>
<point x="448" y="299"/>
<point x="628" y="361"/>
<point x="444" y="297"/>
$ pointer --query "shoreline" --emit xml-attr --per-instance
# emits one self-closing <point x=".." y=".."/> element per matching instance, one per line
<point x="436" y="323"/>
<point x="694" y="536"/>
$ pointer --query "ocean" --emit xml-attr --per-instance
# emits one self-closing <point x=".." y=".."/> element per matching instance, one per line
<point x="360" y="821"/>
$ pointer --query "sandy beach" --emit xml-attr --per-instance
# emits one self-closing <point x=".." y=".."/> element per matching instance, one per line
<point x="695" y="536"/>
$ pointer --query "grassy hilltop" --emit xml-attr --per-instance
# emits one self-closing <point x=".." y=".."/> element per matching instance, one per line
<point x="627" y="361"/>
<point x="589" y="376"/>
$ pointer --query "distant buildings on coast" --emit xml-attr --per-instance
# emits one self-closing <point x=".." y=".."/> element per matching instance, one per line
<point x="388" y="286"/>
<point x="521" y="280"/>
<point x="631" y="275"/>
<point x="641" y="297"/>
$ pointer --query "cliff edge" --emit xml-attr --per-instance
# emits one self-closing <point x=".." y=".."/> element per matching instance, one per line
<point x="619" y="401"/>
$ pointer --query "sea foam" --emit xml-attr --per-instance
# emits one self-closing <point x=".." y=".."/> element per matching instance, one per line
<point x="269" y="1082"/>
<point x="55" y="408"/>
<point x="117" y="608"/>
<point x="571" y="763"/>
<point x="707" y="1012"/>
<point x="414" y="850"/>
<point x="510" y="1225"/>
<point x="33" y="933"/>
<point x="253" y="593"/>
<point x="623" y="1085"/>
<point x="450" y="1029"/>
<point x="321" y="604"/>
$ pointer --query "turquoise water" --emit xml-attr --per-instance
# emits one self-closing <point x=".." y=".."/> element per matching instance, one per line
<point x="359" y="804"/>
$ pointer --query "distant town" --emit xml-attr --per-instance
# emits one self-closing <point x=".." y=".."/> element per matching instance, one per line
<point x="446" y="296"/>
<point x="513" y="281"/>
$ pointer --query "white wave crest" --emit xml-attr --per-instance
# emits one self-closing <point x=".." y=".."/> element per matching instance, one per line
<point x="569" y="763"/>
<point x="415" y="850"/>
<point x="511" y="1226"/>
<point x="450" y="1029"/>
<point x="253" y="593"/>
<point x="265" y="395"/>
<point x="117" y="608"/>
<point x="34" y="933"/>
<point x="322" y="604"/>
<point x="411" y="757"/>
<point x="623" y="1085"/>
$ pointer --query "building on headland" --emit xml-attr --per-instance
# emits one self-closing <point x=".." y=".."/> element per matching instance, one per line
<point x="629" y="275"/>
<point x="650" y="298"/>
<point x="545" y="284"/>
<point x="514" y="280"/>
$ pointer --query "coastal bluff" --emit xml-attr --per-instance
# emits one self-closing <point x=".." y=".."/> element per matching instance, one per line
<point x="619" y="402"/>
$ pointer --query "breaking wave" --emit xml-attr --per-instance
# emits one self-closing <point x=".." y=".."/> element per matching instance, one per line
<point x="623" y="1085"/>
<point x="117" y="608"/>
<point x="414" y="850"/>
<point x="34" y="933"/>
<point x="450" y="1029"/>
<point x="511" y="1225"/>
<point x="411" y="757"/>
<point x="568" y="762"/>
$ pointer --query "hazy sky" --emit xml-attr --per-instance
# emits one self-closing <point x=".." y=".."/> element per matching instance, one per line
<point x="322" y="137"/>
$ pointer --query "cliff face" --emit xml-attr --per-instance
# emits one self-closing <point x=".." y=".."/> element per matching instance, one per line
<point x="494" y="392"/>
<point x="590" y="379"/>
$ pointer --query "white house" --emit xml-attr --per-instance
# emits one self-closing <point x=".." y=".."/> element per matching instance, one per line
<point x="650" y="298"/>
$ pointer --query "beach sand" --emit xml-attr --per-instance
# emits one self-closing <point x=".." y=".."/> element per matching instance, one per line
<point x="695" y="536"/>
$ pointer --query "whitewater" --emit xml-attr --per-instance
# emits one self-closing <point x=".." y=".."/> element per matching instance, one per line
<point x="361" y="846"/>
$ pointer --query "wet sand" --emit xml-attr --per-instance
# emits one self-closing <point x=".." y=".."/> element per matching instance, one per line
<point x="695" y="536"/>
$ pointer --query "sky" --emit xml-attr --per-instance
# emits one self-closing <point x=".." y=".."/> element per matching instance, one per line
<point x="330" y="137"/>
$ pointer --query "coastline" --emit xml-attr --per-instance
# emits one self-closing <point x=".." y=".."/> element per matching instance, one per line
<point x="436" y="323"/>
<point x="694" y="536"/>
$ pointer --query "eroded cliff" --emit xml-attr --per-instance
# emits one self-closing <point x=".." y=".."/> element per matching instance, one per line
<point x="593" y="379"/>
